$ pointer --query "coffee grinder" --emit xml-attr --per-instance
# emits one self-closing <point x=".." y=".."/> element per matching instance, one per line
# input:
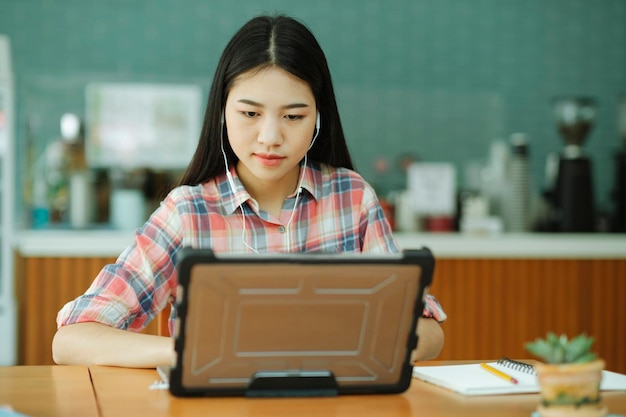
<point x="618" y="217"/>
<point x="573" y="195"/>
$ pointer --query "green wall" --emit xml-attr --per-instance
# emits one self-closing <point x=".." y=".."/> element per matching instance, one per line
<point x="440" y="79"/>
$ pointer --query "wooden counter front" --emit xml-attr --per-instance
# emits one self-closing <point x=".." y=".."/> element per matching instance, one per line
<point x="494" y="306"/>
<point x="44" y="285"/>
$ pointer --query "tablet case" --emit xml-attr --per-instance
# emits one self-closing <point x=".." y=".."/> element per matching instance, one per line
<point x="297" y="324"/>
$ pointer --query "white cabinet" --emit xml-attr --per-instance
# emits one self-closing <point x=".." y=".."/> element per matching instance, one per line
<point x="8" y="317"/>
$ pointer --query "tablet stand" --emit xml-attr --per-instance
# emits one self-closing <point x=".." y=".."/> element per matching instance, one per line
<point x="292" y="384"/>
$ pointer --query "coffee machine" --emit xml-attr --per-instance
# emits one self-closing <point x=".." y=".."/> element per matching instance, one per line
<point x="573" y="195"/>
<point x="618" y="216"/>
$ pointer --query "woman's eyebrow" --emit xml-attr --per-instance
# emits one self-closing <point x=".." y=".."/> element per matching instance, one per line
<point x="287" y="106"/>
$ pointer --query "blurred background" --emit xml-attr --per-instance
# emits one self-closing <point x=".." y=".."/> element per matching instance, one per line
<point x="435" y="81"/>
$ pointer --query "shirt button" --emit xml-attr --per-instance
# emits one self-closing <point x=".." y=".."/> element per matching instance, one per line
<point x="281" y="229"/>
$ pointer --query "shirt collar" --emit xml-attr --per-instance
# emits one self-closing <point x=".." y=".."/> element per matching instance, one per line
<point x="232" y="199"/>
<point x="312" y="180"/>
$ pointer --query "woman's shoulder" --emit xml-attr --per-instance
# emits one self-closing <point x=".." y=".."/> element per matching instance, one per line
<point x="338" y="173"/>
<point x="205" y="192"/>
<point x="342" y="177"/>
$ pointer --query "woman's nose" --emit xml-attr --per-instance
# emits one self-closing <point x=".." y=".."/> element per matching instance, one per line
<point x="270" y="133"/>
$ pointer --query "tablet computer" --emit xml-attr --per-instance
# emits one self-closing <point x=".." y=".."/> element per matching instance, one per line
<point x="297" y="324"/>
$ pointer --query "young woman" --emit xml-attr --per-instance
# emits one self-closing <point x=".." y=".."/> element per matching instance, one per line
<point x="272" y="173"/>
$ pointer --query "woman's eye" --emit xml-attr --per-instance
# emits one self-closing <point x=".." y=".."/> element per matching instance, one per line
<point x="293" y="117"/>
<point x="249" y="114"/>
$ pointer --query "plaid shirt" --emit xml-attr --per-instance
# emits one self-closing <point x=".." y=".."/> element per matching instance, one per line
<point x="336" y="212"/>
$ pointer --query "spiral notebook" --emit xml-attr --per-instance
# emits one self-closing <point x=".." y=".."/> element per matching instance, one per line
<point x="472" y="379"/>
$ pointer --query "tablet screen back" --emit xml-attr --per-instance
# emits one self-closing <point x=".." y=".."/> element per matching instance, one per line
<point x="353" y="318"/>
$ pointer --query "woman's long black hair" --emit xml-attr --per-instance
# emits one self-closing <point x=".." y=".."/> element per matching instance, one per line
<point x="263" y="42"/>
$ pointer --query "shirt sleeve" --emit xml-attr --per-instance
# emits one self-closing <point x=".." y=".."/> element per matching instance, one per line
<point x="129" y="293"/>
<point x="432" y="309"/>
<point x="376" y="233"/>
<point x="379" y="238"/>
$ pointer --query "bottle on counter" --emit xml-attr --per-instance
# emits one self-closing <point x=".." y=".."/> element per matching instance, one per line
<point x="70" y="183"/>
<point x="493" y="180"/>
<point x="40" y="210"/>
<point x="517" y="213"/>
<point x="34" y="188"/>
<point x="79" y="178"/>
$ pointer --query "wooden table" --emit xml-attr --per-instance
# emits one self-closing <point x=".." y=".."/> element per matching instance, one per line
<point x="48" y="391"/>
<point x="59" y="391"/>
<point x="125" y="393"/>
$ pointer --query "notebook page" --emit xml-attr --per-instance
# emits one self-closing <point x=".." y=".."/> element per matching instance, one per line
<point x="612" y="381"/>
<point x="471" y="379"/>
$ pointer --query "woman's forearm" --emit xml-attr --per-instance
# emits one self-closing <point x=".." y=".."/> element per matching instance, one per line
<point x="98" y="344"/>
<point x="430" y="340"/>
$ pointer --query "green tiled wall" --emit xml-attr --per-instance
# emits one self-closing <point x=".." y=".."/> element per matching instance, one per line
<point x="440" y="79"/>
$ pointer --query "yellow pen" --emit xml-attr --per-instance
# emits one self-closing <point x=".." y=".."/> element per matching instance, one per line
<point x="498" y="373"/>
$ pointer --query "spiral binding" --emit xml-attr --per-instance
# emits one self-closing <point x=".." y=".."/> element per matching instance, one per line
<point x="517" y="365"/>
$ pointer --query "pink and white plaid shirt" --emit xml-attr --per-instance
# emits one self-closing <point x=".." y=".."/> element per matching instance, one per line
<point x="336" y="212"/>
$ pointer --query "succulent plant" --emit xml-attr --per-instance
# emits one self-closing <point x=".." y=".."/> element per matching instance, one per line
<point x="559" y="349"/>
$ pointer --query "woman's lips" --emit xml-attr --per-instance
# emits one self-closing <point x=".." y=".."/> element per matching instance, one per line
<point x="269" y="160"/>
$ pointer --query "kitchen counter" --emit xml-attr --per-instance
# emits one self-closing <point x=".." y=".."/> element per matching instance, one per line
<point x="110" y="243"/>
<point x="520" y="245"/>
<point x="72" y="243"/>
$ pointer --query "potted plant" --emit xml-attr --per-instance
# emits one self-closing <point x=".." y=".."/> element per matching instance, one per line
<point x="569" y="377"/>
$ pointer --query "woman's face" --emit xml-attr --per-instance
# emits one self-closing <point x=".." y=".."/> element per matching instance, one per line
<point x="270" y="118"/>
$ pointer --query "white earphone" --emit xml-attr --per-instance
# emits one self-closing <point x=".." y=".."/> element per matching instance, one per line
<point x="318" y="124"/>
<point x="231" y="182"/>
